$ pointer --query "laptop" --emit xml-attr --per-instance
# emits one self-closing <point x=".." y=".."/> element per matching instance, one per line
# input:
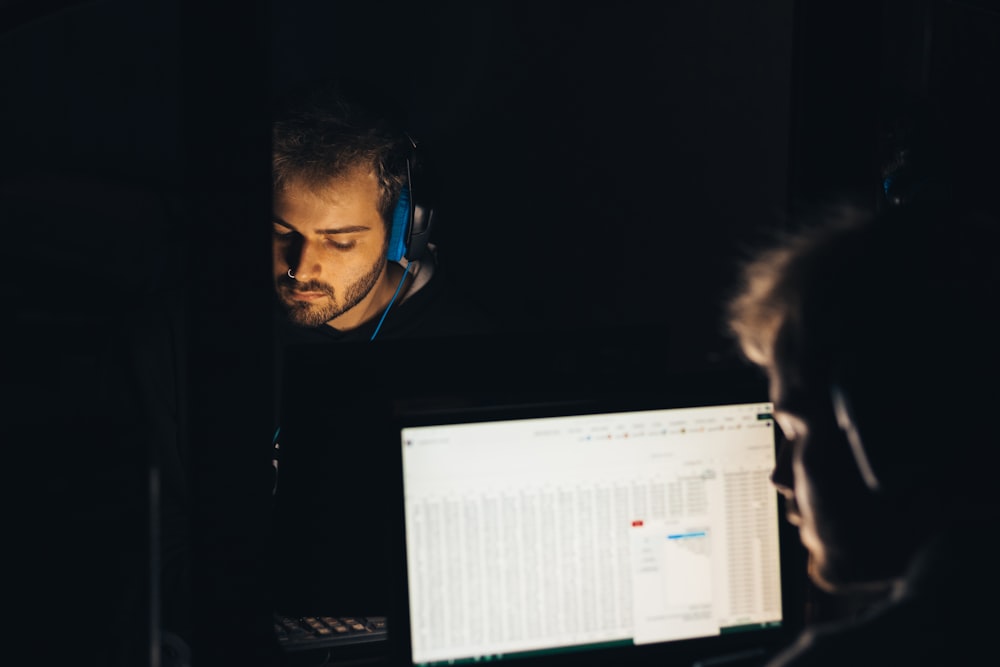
<point x="595" y="525"/>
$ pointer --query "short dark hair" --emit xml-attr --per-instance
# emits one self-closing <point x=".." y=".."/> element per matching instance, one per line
<point x="333" y="128"/>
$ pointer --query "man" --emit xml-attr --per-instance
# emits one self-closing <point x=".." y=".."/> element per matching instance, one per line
<point x="876" y="334"/>
<point x="339" y="172"/>
<point x="353" y="207"/>
<point x="345" y="175"/>
<point x="352" y="216"/>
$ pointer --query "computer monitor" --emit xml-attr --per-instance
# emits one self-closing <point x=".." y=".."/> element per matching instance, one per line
<point x="342" y="531"/>
<point x="599" y="525"/>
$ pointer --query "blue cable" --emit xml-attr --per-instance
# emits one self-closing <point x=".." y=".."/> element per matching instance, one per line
<point x="391" y="301"/>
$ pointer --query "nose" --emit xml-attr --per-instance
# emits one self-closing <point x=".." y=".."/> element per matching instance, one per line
<point x="303" y="261"/>
<point x="782" y="477"/>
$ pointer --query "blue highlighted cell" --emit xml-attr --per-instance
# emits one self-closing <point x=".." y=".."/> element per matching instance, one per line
<point x="684" y="536"/>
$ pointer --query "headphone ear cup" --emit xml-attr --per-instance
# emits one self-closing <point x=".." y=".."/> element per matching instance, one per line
<point x="412" y="218"/>
<point x="419" y="231"/>
<point x="400" y="226"/>
<point x="421" y="204"/>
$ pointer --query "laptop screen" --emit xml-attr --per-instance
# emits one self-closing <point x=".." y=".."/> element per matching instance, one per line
<point x="537" y="530"/>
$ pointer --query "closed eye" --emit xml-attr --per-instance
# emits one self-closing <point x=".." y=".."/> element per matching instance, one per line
<point x="341" y="245"/>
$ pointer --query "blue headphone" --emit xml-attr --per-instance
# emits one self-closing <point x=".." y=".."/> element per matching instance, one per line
<point x="411" y="223"/>
<point x="413" y="215"/>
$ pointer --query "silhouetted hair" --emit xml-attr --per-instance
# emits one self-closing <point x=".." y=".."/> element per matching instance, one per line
<point x="903" y="301"/>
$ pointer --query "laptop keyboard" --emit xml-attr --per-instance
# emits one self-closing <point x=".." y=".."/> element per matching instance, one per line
<point x="314" y="632"/>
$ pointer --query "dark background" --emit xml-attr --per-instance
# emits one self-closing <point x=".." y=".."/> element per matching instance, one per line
<point x="595" y="165"/>
<point x="598" y="167"/>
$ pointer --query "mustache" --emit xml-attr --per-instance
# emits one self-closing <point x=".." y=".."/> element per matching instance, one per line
<point x="292" y="285"/>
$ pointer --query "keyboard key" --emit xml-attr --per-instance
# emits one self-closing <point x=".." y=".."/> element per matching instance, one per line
<point x="314" y="632"/>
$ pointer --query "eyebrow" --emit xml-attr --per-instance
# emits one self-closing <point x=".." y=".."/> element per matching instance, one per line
<point x="333" y="230"/>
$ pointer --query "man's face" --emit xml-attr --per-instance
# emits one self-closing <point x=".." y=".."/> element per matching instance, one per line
<point x="853" y="537"/>
<point x="333" y="242"/>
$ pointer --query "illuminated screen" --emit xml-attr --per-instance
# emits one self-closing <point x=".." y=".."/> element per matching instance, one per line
<point x="568" y="532"/>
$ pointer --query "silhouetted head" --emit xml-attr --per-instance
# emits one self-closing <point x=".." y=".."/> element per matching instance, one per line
<point x="876" y="333"/>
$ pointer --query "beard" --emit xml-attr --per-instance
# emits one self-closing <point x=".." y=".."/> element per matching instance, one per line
<point x="311" y="315"/>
